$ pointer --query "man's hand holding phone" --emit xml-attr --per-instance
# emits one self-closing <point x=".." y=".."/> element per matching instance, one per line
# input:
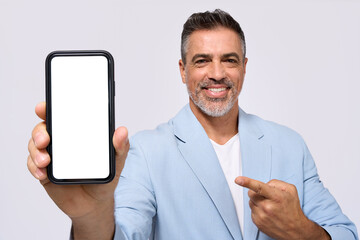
<point x="87" y="205"/>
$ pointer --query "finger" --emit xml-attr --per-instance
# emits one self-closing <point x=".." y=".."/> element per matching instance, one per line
<point x="278" y="184"/>
<point x="283" y="186"/>
<point x="40" y="110"/>
<point x="41" y="158"/>
<point x="121" y="145"/>
<point x="256" y="198"/>
<point x="40" y="136"/>
<point x="253" y="206"/>
<point x="256" y="214"/>
<point x="255" y="185"/>
<point x="256" y="211"/>
<point x="38" y="173"/>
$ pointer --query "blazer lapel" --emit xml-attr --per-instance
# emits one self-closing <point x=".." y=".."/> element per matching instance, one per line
<point x="198" y="152"/>
<point x="256" y="163"/>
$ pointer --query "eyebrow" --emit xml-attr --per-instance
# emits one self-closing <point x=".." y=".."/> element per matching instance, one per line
<point x="226" y="55"/>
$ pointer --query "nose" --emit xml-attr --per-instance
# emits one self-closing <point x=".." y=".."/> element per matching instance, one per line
<point x="217" y="71"/>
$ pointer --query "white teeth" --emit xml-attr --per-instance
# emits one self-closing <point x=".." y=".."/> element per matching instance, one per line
<point x="217" y="89"/>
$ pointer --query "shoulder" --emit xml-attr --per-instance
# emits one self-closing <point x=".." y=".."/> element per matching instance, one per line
<point x="160" y="133"/>
<point x="275" y="133"/>
<point x="155" y="140"/>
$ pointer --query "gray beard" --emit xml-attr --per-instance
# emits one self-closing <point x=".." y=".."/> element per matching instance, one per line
<point x="213" y="111"/>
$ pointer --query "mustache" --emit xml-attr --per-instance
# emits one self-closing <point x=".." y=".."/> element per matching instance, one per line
<point x="209" y="82"/>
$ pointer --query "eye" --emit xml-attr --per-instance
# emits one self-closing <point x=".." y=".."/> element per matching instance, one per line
<point x="201" y="61"/>
<point x="231" y="60"/>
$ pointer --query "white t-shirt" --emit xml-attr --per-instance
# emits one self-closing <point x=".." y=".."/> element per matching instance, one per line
<point x="230" y="161"/>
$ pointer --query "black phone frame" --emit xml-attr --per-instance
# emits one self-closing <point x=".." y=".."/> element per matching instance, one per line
<point x="111" y="106"/>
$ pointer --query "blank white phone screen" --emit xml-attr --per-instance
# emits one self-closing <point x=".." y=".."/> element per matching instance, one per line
<point x="80" y="117"/>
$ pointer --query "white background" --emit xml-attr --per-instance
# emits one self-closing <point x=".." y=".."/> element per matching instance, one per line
<point x="303" y="72"/>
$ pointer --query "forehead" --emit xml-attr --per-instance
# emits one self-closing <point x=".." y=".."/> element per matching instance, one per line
<point x="215" y="41"/>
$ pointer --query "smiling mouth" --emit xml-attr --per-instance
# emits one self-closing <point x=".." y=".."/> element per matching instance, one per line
<point x="214" y="92"/>
<point x="216" y="89"/>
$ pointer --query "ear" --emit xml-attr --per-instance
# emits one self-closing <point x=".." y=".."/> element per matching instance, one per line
<point x="245" y="62"/>
<point x="182" y="70"/>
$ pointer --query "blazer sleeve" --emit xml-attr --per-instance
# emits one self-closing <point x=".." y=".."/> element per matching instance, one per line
<point x="321" y="207"/>
<point x="135" y="204"/>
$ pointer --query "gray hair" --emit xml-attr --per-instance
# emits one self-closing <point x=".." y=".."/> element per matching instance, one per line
<point x="207" y="21"/>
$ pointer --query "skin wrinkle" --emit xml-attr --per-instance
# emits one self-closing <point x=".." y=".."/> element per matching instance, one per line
<point x="222" y="65"/>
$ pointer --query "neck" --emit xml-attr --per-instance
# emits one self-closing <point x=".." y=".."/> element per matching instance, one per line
<point x="218" y="129"/>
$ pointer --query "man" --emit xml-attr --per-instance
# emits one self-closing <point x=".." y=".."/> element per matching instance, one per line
<point x="178" y="180"/>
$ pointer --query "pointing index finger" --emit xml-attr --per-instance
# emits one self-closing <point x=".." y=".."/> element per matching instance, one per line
<point x="257" y="186"/>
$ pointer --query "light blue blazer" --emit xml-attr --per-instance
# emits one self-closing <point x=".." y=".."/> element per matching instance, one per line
<point x="172" y="186"/>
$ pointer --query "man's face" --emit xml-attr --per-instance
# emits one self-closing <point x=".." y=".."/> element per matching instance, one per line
<point x="214" y="70"/>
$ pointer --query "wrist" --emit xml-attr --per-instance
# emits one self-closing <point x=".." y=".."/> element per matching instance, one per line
<point x="313" y="231"/>
<point x="98" y="224"/>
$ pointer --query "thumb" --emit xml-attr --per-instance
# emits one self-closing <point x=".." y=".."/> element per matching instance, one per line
<point x="121" y="145"/>
<point x="40" y="110"/>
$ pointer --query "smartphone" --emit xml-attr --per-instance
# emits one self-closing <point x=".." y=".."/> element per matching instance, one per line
<point x="80" y="116"/>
